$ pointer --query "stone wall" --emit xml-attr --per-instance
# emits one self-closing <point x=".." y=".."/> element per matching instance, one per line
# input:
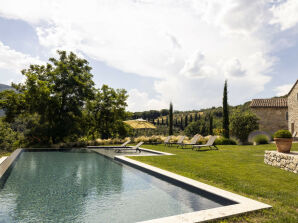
<point x="286" y="161"/>
<point x="293" y="108"/>
<point x="271" y="119"/>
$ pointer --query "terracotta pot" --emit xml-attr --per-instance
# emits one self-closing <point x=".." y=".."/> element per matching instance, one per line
<point x="283" y="145"/>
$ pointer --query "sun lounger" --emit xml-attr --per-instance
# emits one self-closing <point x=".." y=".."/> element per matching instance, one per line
<point x="193" y="141"/>
<point x="124" y="145"/>
<point x="167" y="140"/>
<point x="136" y="148"/>
<point x="209" y="144"/>
<point x="180" y="140"/>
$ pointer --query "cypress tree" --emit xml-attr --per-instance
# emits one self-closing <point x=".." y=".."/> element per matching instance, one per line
<point x="190" y="118"/>
<point x="158" y="122"/>
<point x="162" y="121"/>
<point x="196" y="117"/>
<point x="167" y="121"/>
<point x="225" y="107"/>
<point x="210" y="124"/>
<point x="203" y="128"/>
<point x="181" y="123"/>
<point x="171" y="119"/>
<point x="186" y="121"/>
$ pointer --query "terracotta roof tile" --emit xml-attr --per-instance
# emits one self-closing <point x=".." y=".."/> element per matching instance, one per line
<point x="269" y="103"/>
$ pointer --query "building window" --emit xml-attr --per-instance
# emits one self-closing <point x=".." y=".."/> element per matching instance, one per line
<point x="287" y="116"/>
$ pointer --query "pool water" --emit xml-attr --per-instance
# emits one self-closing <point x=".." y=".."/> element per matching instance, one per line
<point x="87" y="187"/>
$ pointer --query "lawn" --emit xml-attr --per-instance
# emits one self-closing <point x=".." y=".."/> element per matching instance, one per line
<point x="238" y="169"/>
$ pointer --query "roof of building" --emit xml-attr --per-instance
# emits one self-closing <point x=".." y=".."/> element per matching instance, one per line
<point x="293" y="87"/>
<point x="269" y="103"/>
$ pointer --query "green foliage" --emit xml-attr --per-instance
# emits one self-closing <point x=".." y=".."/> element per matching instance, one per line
<point x="225" y="141"/>
<point x="225" y="122"/>
<point x="282" y="134"/>
<point x="242" y="124"/>
<point x="9" y="139"/>
<point x="58" y="102"/>
<point x="186" y="121"/>
<point x="107" y="112"/>
<point x="198" y="127"/>
<point x="171" y="119"/>
<point x="210" y="129"/>
<point x="261" y="139"/>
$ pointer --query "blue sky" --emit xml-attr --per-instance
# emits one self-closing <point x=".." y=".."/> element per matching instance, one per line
<point x="160" y="51"/>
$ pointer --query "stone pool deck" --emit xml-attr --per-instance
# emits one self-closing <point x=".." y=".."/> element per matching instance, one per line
<point x="285" y="161"/>
<point x="2" y="159"/>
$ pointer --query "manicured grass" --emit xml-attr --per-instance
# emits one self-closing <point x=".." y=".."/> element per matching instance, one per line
<point x="239" y="169"/>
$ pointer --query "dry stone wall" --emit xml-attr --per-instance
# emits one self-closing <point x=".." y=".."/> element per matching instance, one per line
<point x="286" y="161"/>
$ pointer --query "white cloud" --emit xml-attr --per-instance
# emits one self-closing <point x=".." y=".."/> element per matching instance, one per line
<point x="283" y="89"/>
<point x="160" y="39"/>
<point x="14" y="62"/>
<point x="140" y="101"/>
<point x="233" y="68"/>
<point x="285" y="14"/>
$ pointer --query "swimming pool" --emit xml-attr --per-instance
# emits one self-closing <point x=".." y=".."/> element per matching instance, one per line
<point x="65" y="186"/>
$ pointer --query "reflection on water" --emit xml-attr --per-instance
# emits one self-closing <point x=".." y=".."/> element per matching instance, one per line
<point x="86" y="187"/>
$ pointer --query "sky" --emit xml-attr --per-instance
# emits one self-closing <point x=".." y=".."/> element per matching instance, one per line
<point x="160" y="51"/>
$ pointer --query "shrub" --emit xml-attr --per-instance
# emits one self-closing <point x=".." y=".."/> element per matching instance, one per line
<point x="9" y="139"/>
<point x="224" y="141"/>
<point x="242" y="124"/>
<point x="261" y="139"/>
<point x="282" y="134"/>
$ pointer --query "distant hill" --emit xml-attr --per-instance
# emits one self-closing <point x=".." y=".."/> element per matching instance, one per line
<point x="2" y="88"/>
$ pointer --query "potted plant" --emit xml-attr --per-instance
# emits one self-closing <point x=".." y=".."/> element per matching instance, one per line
<point x="283" y="140"/>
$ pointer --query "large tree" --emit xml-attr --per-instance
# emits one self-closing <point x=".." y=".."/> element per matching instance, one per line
<point x="225" y="106"/>
<point x="108" y="112"/>
<point x="57" y="92"/>
<point x="171" y="119"/>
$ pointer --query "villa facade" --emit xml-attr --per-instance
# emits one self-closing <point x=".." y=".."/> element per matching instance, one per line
<point x="293" y="108"/>
<point x="277" y="113"/>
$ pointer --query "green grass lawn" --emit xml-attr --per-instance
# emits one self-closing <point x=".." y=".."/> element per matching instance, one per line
<point x="238" y="169"/>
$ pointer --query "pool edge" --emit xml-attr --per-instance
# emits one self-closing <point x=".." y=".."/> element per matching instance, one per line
<point x="9" y="161"/>
<point x="243" y="204"/>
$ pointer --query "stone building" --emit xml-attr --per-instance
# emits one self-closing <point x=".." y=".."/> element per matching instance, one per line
<point x="273" y="113"/>
<point x="293" y="108"/>
<point x="277" y="113"/>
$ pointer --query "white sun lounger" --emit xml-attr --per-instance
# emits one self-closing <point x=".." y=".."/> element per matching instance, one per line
<point x="136" y="148"/>
<point x="209" y="144"/>
<point x="124" y="145"/>
<point x="193" y="141"/>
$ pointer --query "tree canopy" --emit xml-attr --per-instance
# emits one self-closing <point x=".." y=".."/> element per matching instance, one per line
<point x="63" y="97"/>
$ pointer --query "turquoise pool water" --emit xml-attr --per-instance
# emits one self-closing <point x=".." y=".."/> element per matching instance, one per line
<point x="87" y="187"/>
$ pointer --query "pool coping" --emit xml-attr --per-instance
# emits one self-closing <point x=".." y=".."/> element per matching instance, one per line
<point x="9" y="161"/>
<point x="243" y="204"/>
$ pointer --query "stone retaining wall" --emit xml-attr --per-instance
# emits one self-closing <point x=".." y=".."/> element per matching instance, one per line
<point x="286" y="161"/>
